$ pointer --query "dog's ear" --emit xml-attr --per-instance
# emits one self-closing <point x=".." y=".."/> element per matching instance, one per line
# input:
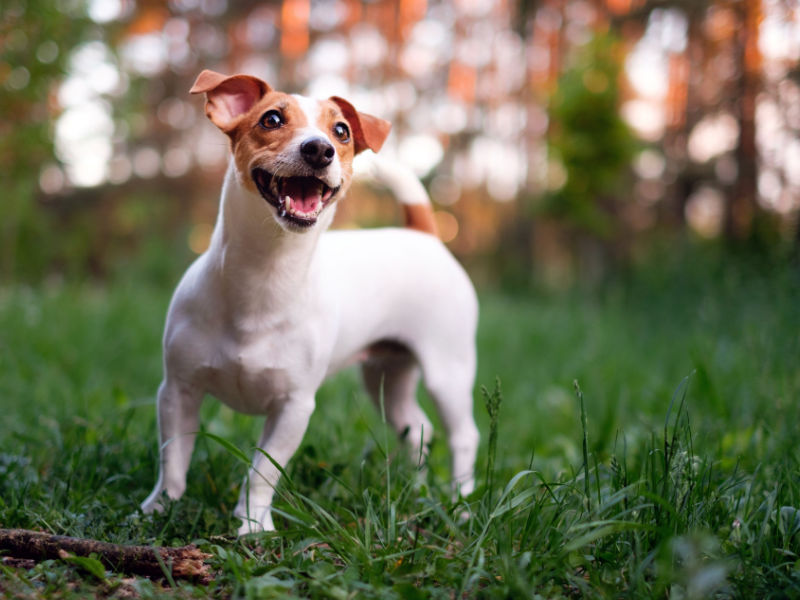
<point x="228" y="97"/>
<point x="368" y="131"/>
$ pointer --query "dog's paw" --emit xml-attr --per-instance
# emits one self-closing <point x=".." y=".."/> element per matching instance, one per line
<point x="253" y="524"/>
<point x="153" y="503"/>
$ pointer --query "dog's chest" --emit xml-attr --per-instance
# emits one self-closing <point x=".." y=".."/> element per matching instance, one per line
<point x="254" y="377"/>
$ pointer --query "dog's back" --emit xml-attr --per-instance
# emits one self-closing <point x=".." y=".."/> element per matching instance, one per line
<point x="426" y="299"/>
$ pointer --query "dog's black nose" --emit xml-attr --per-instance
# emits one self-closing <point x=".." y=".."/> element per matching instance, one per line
<point x="317" y="152"/>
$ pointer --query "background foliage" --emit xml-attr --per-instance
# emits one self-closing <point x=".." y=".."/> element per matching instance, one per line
<point x="590" y="139"/>
<point x="558" y="134"/>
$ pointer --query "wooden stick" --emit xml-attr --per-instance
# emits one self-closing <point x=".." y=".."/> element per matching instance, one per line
<point x="186" y="562"/>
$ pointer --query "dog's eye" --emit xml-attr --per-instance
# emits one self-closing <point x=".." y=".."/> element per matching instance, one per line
<point x="272" y="119"/>
<point x="342" y="132"/>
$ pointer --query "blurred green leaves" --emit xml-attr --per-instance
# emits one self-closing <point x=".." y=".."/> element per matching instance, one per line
<point x="36" y="37"/>
<point x="590" y="145"/>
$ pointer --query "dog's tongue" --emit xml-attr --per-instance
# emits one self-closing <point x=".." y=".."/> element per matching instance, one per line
<point x="305" y="193"/>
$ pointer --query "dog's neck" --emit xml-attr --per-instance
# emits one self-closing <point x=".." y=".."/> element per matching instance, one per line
<point x="261" y="265"/>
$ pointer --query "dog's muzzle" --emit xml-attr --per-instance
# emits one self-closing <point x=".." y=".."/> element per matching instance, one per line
<point x="299" y="200"/>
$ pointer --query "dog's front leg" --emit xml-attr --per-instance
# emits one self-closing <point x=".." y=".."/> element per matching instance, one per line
<point x="282" y="435"/>
<point x="178" y="414"/>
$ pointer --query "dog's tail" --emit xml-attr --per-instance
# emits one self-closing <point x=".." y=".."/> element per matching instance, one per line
<point x="406" y="188"/>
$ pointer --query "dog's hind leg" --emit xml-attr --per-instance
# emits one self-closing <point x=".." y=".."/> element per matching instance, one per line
<point x="392" y="377"/>
<point x="178" y="417"/>
<point x="449" y="381"/>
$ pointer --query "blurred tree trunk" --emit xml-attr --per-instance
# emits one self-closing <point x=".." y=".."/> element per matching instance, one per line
<point x="685" y="111"/>
<point x="742" y="205"/>
<point x="685" y="102"/>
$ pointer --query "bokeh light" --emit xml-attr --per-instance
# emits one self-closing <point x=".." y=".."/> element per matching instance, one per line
<point x="693" y="104"/>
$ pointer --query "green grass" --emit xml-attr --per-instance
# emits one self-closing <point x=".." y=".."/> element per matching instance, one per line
<point x="688" y="391"/>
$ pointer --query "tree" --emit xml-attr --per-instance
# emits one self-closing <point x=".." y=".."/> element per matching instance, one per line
<point x="589" y="139"/>
<point x="36" y="44"/>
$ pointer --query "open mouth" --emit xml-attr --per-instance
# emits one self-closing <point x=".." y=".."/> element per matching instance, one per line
<point x="298" y="200"/>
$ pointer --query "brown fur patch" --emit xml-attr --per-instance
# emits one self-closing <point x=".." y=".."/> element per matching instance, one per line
<point x="420" y="217"/>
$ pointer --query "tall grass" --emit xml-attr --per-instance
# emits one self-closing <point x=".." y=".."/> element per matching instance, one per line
<point x="675" y="473"/>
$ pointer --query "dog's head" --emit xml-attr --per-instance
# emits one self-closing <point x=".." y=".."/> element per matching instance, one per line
<point x="293" y="151"/>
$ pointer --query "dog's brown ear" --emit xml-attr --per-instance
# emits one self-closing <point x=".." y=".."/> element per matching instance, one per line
<point x="228" y="97"/>
<point x="368" y="131"/>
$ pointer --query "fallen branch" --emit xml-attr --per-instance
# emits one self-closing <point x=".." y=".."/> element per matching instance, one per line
<point x="186" y="562"/>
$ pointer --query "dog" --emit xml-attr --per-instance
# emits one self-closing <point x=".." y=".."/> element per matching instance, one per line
<point x="276" y="304"/>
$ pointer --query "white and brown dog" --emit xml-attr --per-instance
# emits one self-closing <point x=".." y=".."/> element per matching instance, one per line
<point x="274" y="305"/>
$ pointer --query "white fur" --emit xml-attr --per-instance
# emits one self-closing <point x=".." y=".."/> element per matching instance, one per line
<point x="406" y="187"/>
<point x="310" y="107"/>
<point x="263" y="316"/>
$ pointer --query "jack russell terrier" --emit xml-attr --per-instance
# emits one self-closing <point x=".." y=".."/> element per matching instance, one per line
<point x="275" y="305"/>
